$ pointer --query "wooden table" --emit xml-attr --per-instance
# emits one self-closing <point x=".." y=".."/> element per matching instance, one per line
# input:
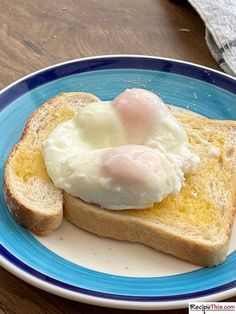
<point x="36" y="34"/>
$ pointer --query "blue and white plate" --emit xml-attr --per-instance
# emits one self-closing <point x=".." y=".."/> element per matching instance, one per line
<point x="78" y="265"/>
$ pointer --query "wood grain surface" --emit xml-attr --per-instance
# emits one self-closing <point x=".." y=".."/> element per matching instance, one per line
<point x="36" y="34"/>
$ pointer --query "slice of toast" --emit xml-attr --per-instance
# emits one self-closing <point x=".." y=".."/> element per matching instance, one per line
<point x="195" y="226"/>
<point x="32" y="198"/>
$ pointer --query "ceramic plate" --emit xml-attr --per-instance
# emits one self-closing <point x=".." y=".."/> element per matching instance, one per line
<point x="78" y="265"/>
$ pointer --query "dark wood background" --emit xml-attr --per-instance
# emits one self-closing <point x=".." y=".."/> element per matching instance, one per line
<point x="36" y="34"/>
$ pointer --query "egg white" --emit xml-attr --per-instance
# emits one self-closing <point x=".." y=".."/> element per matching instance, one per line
<point x="73" y="154"/>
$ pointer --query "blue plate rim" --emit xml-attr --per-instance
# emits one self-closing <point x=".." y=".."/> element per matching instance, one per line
<point x="196" y="66"/>
<point x="104" y="57"/>
<point x="102" y="300"/>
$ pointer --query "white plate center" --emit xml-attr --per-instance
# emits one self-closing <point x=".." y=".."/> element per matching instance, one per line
<point x="111" y="256"/>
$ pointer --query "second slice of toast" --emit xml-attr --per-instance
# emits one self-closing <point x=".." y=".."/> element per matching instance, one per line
<point x="32" y="198"/>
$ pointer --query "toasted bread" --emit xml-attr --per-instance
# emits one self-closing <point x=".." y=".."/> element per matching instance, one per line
<point x="194" y="226"/>
<point x="32" y="198"/>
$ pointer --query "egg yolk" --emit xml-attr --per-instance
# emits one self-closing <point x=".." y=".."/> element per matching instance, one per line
<point x="129" y="164"/>
<point x="139" y="111"/>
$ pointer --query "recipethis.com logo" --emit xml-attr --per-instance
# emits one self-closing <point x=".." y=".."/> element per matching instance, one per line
<point x="216" y="307"/>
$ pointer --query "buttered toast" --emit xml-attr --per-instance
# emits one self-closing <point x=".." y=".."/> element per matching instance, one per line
<point x="195" y="225"/>
<point x="32" y="198"/>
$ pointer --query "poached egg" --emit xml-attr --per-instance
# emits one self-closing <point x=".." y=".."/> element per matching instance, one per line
<point x="127" y="153"/>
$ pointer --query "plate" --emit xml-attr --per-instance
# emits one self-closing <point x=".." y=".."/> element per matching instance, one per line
<point x="78" y="265"/>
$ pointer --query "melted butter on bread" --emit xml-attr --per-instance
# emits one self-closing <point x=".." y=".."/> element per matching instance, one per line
<point x="29" y="161"/>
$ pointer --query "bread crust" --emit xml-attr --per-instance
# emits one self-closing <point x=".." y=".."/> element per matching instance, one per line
<point x="39" y="224"/>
